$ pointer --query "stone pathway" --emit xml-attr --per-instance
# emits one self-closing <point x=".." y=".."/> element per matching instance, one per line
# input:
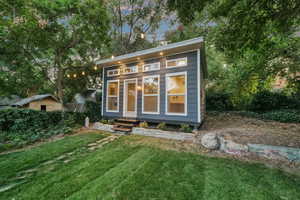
<point x="49" y="165"/>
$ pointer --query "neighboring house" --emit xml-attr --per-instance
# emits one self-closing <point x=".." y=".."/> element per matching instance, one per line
<point x="5" y="102"/>
<point x="162" y="84"/>
<point x="43" y="102"/>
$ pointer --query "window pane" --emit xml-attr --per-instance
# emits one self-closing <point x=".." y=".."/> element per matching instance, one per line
<point x="181" y="62"/>
<point x="113" y="89"/>
<point x="151" y="85"/>
<point x="171" y="63"/>
<point x="176" y="104"/>
<point x="150" y="67"/>
<point x="112" y="103"/>
<point x="176" y="84"/>
<point x="151" y="104"/>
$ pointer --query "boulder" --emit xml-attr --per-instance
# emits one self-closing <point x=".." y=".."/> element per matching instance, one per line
<point x="210" y="141"/>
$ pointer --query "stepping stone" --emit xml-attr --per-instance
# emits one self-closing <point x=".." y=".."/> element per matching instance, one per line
<point x="7" y="187"/>
<point x="92" y="144"/>
<point x="49" y="162"/>
<point x="67" y="161"/>
<point x="31" y="170"/>
<point x="61" y="157"/>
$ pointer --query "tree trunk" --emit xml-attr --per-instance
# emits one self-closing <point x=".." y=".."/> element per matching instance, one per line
<point x="59" y="85"/>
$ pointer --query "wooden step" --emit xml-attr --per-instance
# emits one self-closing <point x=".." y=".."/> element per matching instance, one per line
<point x="127" y="120"/>
<point x="122" y="129"/>
<point x="124" y="124"/>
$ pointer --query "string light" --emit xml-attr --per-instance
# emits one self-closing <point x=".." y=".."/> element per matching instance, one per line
<point x="95" y="68"/>
<point x="161" y="53"/>
<point x="142" y="35"/>
<point x="83" y="73"/>
<point x="112" y="57"/>
<point x="68" y="75"/>
<point x="74" y="75"/>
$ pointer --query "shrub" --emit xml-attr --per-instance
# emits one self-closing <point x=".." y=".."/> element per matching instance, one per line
<point x="143" y="125"/>
<point x="185" y="128"/>
<point x="218" y="101"/>
<point x="286" y="116"/>
<point x="266" y="101"/>
<point x="162" y="126"/>
<point x="93" y="111"/>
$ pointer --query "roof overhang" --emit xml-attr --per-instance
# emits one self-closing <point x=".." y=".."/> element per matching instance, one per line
<point x="165" y="50"/>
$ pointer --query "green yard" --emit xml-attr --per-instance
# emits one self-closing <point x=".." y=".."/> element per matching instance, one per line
<point x="125" y="169"/>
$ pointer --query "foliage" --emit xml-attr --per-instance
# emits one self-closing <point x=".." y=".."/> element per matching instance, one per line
<point x="218" y="101"/>
<point x="185" y="128"/>
<point x="19" y="127"/>
<point x="41" y="41"/>
<point x="266" y="101"/>
<point x="162" y="126"/>
<point x="104" y="121"/>
<point x="285" y="116"/>
<point x="93" y="111"/>
<point x="131" y="18"/>
<point x="144" y="124"/>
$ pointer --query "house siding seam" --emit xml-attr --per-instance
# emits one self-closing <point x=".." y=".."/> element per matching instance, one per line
<point x="192" y="87"/>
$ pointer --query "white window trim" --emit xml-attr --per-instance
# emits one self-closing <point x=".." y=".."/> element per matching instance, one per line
<point x="185" y="94"/>
<point x="158" y="95"/>
<point x="152" y="69"/>
<point x="124" y="93"/>
<point x="135" y="66"/>
<point x="111" y="71"/>
<point x="107" y="95"/>
<point x="185" y="58"/>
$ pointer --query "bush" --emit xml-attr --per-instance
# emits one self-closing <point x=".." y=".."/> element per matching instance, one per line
<point x="93" y="111"/>
<point x="218" y="101"/>
<point x="285" y="116"/>
<point x="185" y="128"/>
<point x="143" y="125"/>
<point x="23" y="126"/>
<point x="267" y="101"/>
<point x="162" y="126"/>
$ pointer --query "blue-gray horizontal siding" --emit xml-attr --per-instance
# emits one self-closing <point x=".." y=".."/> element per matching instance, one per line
<point x="192" y="89"/>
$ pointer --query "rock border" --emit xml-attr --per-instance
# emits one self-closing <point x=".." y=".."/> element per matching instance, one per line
<point x="210" y="140"/>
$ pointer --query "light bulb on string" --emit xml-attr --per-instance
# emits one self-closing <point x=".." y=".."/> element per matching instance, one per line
<point x="74" y="75"/>
<point x="82" y="73"/>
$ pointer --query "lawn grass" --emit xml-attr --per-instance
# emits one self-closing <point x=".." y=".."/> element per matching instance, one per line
<point x="120" y="170"/>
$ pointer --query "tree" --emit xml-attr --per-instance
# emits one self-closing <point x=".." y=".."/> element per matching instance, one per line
<point x="51" y="37"/>
<point x="130" y="19"/>
<point x="257" y="37"/>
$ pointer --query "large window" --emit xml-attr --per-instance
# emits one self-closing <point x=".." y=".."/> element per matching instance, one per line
<point x="151" y="94"/>
<point x="176" y="94"/>
<point x="179" y="62"/>
<point x="151" y="67"/>
<point x="112" y="104"/>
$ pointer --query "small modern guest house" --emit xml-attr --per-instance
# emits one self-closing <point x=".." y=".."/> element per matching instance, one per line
<point x="162" y="84"/>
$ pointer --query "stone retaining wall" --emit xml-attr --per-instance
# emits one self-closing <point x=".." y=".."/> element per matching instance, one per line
<point x="163" y="134"/>
<point x="102" y="127"/>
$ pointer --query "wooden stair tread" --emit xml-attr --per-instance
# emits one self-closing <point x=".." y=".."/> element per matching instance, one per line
<point x="127" y="120"/>
<point x="124" y="124"/>
<point x="122" y="129"/>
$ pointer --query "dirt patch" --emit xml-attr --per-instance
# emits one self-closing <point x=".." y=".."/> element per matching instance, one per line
<point x="245" y="130"/>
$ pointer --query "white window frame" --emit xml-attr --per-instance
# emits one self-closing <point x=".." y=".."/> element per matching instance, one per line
<point x="111" y="70"/>
<point x="185" y="58"/>
<point x="185" y="94"/>
<point x="152" y="95"/>
<point x="151" y="69"/>
<point x="107" y="95"/>
<point x="135" y="66"/>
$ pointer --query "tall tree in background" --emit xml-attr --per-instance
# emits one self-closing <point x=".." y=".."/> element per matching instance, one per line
<point x="257" y="37"/>
<point x="50" y="37"/>
<point x="130" y="19"/>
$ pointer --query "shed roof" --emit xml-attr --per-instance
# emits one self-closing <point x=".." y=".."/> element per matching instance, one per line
<point x="33" y="98"/>
<point x="172" y="48"/>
